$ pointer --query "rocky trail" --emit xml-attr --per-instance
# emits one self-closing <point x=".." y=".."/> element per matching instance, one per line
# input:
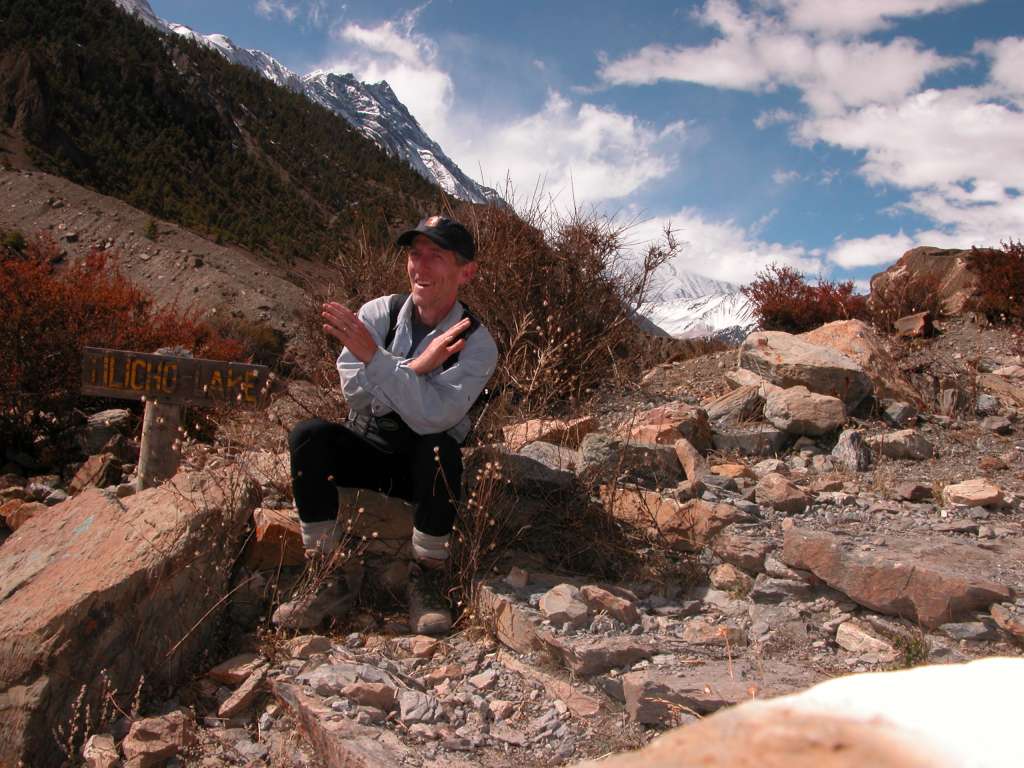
<point x="800" y="509"/>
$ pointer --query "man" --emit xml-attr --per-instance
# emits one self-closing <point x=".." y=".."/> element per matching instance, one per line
<point x="409" y="385"/>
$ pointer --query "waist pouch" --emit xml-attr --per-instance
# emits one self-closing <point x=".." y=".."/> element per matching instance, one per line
<point x="387" y="433"/>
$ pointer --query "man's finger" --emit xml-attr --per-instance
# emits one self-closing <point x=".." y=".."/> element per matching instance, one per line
<point x="330" y="329"/>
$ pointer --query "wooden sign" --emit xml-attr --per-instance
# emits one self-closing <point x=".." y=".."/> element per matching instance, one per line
<point x="173" y="380"/>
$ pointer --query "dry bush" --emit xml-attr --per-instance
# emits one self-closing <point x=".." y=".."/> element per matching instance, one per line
<point x="49" y="316"/>
<point x="906" y="297"/>
<point x="782" y="300"/>
<point x="1001" y="282"/>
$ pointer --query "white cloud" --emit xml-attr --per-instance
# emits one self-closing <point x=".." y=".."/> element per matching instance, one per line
<point x="592" y="152"/>
<point x="271" y="8"/>
<point x="761" y="51"/>
<point x="870" y="251"/>
<point x="724" y="250"/>
<point x="315" y="13"/>
<point x="774" y="117"/>
<point x="857" y="16"/>
<point x="1007" y="63"/>
<point x="782" y="177"/>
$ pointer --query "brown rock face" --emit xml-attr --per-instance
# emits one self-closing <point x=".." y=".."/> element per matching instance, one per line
<point x="686" y="526"/>
<point x="667" y="423"/>
<point x="916" y="326"/>
<point x="153" y="740"/>
<point x="977" y="492"/>
<point x="946" y="273"/>
<point x="99" y="583"/>
<point x="799" y="411"/>
<point x="98" y="471"/>
<point x="928" y="581"/>
<point x="746" y="551"/>
<point x="557" y="431"/>
<point x="777" y="492"/>
<point x="277" y="539"/>
<point x="789" y="361"/>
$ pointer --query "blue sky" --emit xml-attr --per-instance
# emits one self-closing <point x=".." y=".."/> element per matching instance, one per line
<point x="827" y="134"/>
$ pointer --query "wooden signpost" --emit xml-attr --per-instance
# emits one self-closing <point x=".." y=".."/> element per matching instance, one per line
<point x="165" y="381"/>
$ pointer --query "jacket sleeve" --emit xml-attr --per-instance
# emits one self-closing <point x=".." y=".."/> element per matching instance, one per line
<point x="354" y="386"/>
<point x="439" y="400"/>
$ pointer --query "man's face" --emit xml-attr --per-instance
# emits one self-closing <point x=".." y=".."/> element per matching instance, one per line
<point x="435" y="274"/>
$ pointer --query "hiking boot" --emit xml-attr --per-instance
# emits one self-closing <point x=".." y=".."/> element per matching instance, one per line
<point x="334" y="598"/>
<point x="429" y="609"/>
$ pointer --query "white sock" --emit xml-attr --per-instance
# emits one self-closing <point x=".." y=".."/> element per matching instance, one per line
<point x="322" y="536"/>
<point x="427" y="547"/>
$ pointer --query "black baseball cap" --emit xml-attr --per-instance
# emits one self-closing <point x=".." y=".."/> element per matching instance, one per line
<point x="447" y="233"/>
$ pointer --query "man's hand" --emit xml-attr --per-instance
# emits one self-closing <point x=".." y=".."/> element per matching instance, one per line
<point x="346" y="327"/>
<point x="440" y="349"/>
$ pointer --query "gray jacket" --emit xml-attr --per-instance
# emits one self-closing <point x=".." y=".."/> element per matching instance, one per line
<point x="436" y="402"/>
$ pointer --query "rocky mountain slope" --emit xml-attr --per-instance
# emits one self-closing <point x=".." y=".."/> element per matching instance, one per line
<point x="373" y="109"/>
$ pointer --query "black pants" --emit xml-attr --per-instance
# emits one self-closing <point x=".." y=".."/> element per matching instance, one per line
<point x="325" y="455"/>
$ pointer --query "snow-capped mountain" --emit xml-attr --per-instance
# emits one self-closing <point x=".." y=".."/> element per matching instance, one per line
<point x="688" y="305"/>
<point x="371" y="108"/>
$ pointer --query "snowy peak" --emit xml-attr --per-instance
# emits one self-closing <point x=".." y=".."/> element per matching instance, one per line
<point x="372" y="109"/>
<point x="687" y="305"/>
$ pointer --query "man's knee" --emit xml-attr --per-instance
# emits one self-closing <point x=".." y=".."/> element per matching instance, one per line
<point x="308" y="433"/>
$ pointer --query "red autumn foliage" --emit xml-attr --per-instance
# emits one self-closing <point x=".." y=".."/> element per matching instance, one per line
<point x="782" y="300"/>
<point x="1001" y="283"/>
<point x="48" y="316"/>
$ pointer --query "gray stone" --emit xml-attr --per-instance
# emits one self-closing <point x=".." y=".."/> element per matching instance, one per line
<point x="970" y="630"/>
<point x="604" y="458"/>
<point x="417" y="707"/>
<point x="771" y="590"/>
<point x="986" y="405"/>
<point x="903" y="444"/>
<point x="535" y="478"/>
<point x="851" y="451"/>
<point x="102" y="426"/>
<point x="898" y="414"/>
<point x="555" y="457"/>
<point x="998" y="424"/>
<point x="752" y="440"/>
<point x="564" y="604"/>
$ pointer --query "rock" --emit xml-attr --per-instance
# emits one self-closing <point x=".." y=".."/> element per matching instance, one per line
<point x="703" y="632"/>
<point x="976" y="492"/>
<point x="604" y="459"/>
<point x="98" y="471"/>
<point x="598" y="599"/>
<point x="852" y="452"/>
<point x="746" y="551"/>
<point x="787" y="361"/>
<point x="777" y="492"/>
<point x="917" y="326"/>
<point x="517" y="578"/>
<point x="237" y="669"/>
<point x="245" y="695"/>
<point x="153" y="740"/>
<point x="568" y="433"/>
<point x="501" y="709"/>
<point x="100" y="751"/>
<point x="1008" y="620"/>
<point x="16" y="513"/>
<point x="898" y="413"/>
<point x="971" y="631"/>
<point x="121" y="448"/>
<point x="555" y="457"/>
<point x="485" y="681"/>
<point x="768" y="589"/>
<point x="903" y="444"/>
<point x="563" y="604"/>
<point x="742" y="405"/>
<point x="55" y="497"/>
<point x="930" y="581"/>
<point x="860" y="343"/>
<point x="686" y="526"/>
<point x="859" y="638"/>
<point x="732" y="471"/>
<point x="998" y="424"/>
<point x="276" y="541"/>
<point x="946" y="275"/>
<point x="531" y="477"/>
<point x="751" y="440"/>
<point x="330" y="679"/>
<point x="741" y="377"/>
<point x="986" y="405"/>
<point x="132" y="599"/>
<point x="653" y="696"/>
<point x="103" y="426"/>
<point x="379" y="695"/>
<point x="695" y="467"/>
<point x="799" y="411"/>
<point x="1008" y="391"/>
<point x="593" y="655"/>
<point x="416" y="707"/>
<point x="910" y="490"/>
<point x="730" y="578"/>
<point x="304" y="646"/>
<point x="667" y="423"/>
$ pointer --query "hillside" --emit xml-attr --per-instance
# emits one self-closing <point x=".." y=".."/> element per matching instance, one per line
<point x="172" y="128"/>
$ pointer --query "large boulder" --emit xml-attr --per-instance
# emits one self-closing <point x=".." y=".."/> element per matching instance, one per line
<point x="856" y="340"/>
<point x="943" y="274"/>
<point x="789" y="361"/>
<point x="903" y="444"/>
<point x="604" y="458"/>
<point x="667" y="423"/>
<point x="931" y="581"/>
<point x="128" y="586"/>
<point x="799" y="411"/>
